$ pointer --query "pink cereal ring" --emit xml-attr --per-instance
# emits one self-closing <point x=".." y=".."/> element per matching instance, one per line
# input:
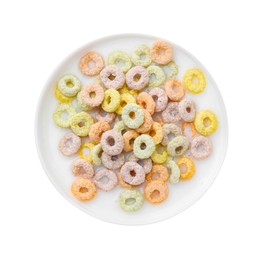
<point x="112" y="142"/>
<point x="112" y="162"/>
<point x="94" y="57"/>
<point x="82" y="168"/>
<point x="201" y="147"/>
<point x="112" y="179"/>
<point x="174" y="89"/>
<point x="92" y="94"/>
<point x="160" y="98"/>
<point x="69" y="144"/>
<point x="102" y="115"/>
<point x="145" y="163"/>
<point x="187" y="110"/>
<point x="137" y="78"/>
<point x="171" y="113"/>
<point x="112" y="77"/>
<point x="132" y="173"/>
<point x="161" y="52"/>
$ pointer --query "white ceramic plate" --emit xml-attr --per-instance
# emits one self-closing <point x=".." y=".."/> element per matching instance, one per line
<point x="105" y="205"/>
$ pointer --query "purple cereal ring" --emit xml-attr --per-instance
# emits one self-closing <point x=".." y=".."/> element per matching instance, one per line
<point x="112" y="162"/>
<point x="82" y="168"/>
<point x="132" y="173"/>
<point x="137" y="78"/>
<point x="171" y="113"/>
<point x="112" y="77"/>
<point x="187" y="110"/>
<point x="111" y="177"/>
<point x="145" y="163"/>
<point x="92" y="94"/>
<point x="112" y="142"/>
<point x="69" y="144"/>
<point x="101" y="115"/>
<point x="201" y="147"/>
<point x="160" y="98"/>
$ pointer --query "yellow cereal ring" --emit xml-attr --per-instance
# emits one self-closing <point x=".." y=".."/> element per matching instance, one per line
<point x="156" y="132"/>
<point x="80" y="123"/>
<point x="86" y="145"/>
<point x="83" y="189"/>
<point x="189" y="165"/>
<point x="61" y="97"/>
<point x="159" y="157"/>
<point x="192" y="75"/>
<point x="111" y="100"/>
<point x="206" y="122"/>
<point x="126" y="98"/>
<point x="124" y="90"/>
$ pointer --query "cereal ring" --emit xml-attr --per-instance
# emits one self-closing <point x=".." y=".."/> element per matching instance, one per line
<point x="147" y="124"/>
<point x="81" y="104"/>
<point x="83" y="189"/>
<point x="80" y="123"/>
<point x="119" y="56"/>
<point x="112" y="142"/>
<point x="112" y="77"/>
<point x="96" y="131"/>
<point x="137" y="78"/>
<point x="101" y="115"/>
<point x="111" y="100"/>
<point x="189" y="166"/>
<point x="171" y="70"/>
<point x="174" y="89"/>
<point x="120" y="127"/>
<point x="89" y="146"/>
<point x="92" y="94"/>
<point x="111" y="177"/>
<point x="169" y="129"/>
<point x="160" y="98"/>
<point x="123" y="183"/>
<point x="206" y="122"/>
<point x="161" y="52"/>
<point x="194" y="81"/>
<point x="112" y="162"/>
<point x="129" y="138"/>
<point x="87" y="59"/>
<point x="156" y="132"/>
<point x="69" y="144"/>
<point x="125" y="90"/>
<point x="178" y="146"/>
<point x="201" y="147"/>
<point x="141" y="56"/>
<point x="156" y="191"/>
<point x="187" y="110"/>
<point x="143" y="146"/>
<point x="158" y="73"/>
<point x="131" y="200"/>
<point x="132" y="173"/>
<point x="145" y="163"/>
<point x="171" y="113"/>
<point x="192" y="129"/>
<point x="175" y="172"/>
<point x="69" y="85"/>
<point x="158" y="172"/>
<point x="132" y="116"/>
<point x="96" y="154"/>
<point x="82" y="168"/>
<point x="58" y="115"/>
<point x="159" y="155"/>
<point x="125" y="99"/>
<point x="61" y="97"/>
<point x="145" y="101"/>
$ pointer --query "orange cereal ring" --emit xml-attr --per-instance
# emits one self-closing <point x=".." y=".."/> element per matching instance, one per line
<point x="129" y="138"/>
<point x="173" y="93"/>
<point x="147" y="124"/>
<point x="158" y="172"/>
<point x="189" y="166"/>
<point x="83" y="189"/>
<point x="145" y="101"/>
<point x="96" y="131"/>
<point x="156" y="132"/>
<point x="190" y="125"/>
<point x="123" y="183"/>
<point x="156" y="191"/>
<point x="161" y="52"/>
<point x="91" y="57"/>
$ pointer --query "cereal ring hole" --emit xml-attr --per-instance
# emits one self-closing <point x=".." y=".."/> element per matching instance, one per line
<point x="183" y="168"/>
<point x="142" y="56"/>
<point x="119" y="63"/>
<point x="91" y="64"/>
<point x="131" y="141"/>
<point x="104" y="179"/>
<point x="83" y="190"/>
<point x="152" y="133"/>
<point x="137" y="77"/>
<point x="188" y="109"/>
<point x="143" y="146"/>
<point x="130" y="201"/>
<point x="108" y="99"/>
<point x="155" y="175"/>
<point x="155" y="98"/>
<point x="132" y="173"/>
<point x="114" y="158"/>
<point x="141" y="163"/>
<point x="86" y="151"/>
<point x="81" y="124"/>
<point x="155" y="194"/>
<point x="160" y="150"/>
<point x="111" y="141"/>
<point x="111" y="77"/>
<point x="132" y="115"/>
<point x="152" y="77"/>
<point x="92" y="94"/>
<point x="195" y="80"/>
<point x="69" y="83"/>
<point x="207" y="121"/>
<point x="64" y="115"/>
<point x="179" y="149"/>
<point x="123" y="103"/>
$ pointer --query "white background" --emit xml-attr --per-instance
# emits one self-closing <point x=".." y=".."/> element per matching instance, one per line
<point x="226" y="36"/>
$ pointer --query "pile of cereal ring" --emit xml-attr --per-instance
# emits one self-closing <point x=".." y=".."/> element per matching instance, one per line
<point x="133" y="117"/>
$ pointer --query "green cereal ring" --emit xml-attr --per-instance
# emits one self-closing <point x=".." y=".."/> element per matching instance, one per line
<point x="143" y="146"/>
<point x="131" y="200"/>
<point x="83" y="119"/>
<point x="120" y="56"/>
<point x="178" y="146"/>
<point x="69" y="85"/>
<point x="171" y="70"/>
<point x="81" y="104"/>
<point x="95" y="154"/>
<point x="139" y="52"/>
<point x="159" y="157"/>
<point x="175" y="171"/>
<point x="159" y="76"/>
<point x="126" y="98"/>
<point x="58" y="115"/>
<point x="132" y="115"/>
<point x="120" y="127"/>
<point x="111" y="100"/>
